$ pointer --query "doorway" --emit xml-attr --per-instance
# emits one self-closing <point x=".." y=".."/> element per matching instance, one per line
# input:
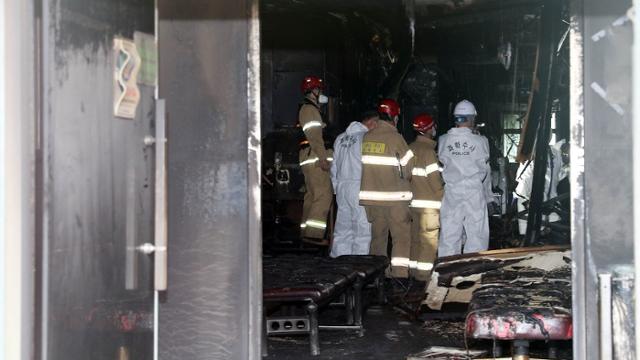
<point x="228" y="93"/>
<point x="510" y="60"/>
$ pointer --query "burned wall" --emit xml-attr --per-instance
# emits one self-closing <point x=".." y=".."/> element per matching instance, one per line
<point x="353" y="45"/>
<point x="294" y="47"/>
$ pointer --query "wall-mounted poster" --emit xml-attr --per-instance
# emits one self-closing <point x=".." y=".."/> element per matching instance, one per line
<point x="126" y="94"/>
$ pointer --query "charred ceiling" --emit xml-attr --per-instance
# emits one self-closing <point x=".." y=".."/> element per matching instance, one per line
<point x="427" y="54"/>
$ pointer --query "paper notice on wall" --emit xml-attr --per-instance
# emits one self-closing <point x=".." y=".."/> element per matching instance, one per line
<point x="146" y="44"/>
<point x="126" y="94"/>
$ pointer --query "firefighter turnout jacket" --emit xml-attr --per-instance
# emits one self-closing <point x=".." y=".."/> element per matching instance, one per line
<point x="426" y="181"/>
<point x="387" y="165"/>
<point x="311" y="123"/>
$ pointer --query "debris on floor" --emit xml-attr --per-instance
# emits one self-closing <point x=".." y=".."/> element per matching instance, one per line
<point x="387" y="336"/>
<point x="450" y="333"/>
<point x="447" y="353"/>
<point x="497" y="284"/>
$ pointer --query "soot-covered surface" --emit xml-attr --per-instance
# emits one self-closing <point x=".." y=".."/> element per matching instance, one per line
<point x="388" y="335"/>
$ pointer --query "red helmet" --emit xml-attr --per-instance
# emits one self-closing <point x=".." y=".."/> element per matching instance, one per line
<point x="423" y="123"/>
<point x="311" y="82"/>
<point x="389" y="107"/>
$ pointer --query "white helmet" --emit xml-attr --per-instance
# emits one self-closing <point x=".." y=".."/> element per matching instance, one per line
<point x="465" y="108"/>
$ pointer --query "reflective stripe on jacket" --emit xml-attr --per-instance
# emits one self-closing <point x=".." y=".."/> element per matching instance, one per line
<point x="387" y="164"/>
<point x="313" y="160"/>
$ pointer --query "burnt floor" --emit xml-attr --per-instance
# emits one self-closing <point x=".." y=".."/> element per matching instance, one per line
<point x="388" y="335"/>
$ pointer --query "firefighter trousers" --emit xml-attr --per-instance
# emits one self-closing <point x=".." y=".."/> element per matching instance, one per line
<point x="396" y="219"/>
<point x="425" y="229"/>
<point x="318" y="197"/>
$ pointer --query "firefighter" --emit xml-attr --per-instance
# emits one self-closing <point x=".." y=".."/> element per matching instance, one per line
<point x="352" y="234"/>
<point x="426" y="185"/>
<point x="467" y="175"/>
<point x="385" y="190"/>
<point x="315" y="162"/>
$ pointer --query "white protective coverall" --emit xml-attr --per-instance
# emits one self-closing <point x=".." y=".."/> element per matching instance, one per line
<point x="467" y="176"/>
<point x="352" y="234"/>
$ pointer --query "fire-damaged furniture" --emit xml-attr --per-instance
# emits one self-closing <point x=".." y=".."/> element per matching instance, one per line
<point x="455" y="278"/>
<point x="295" y="288"/>
<point x="522" y="305"/>
<point x="510" y="295"/>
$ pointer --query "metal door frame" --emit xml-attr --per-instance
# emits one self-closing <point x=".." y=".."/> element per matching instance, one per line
<point x="255" y="191"/>
<point x="578" y="208"/>
<point x="636" y="165"/>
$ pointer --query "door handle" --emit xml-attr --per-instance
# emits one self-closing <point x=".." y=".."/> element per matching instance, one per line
<point x="160" y="211"/>
<point x="149" y="248"/>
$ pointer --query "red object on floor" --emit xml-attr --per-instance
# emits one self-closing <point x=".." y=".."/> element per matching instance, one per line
<point x="515" y="325"/>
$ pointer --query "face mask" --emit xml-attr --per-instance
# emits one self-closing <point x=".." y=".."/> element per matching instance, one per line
<point x="323" y="99"/>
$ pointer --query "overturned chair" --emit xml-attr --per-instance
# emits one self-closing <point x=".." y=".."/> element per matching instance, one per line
<point x="297" y="287"/>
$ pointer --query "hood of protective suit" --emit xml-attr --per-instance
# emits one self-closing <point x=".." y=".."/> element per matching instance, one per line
<point x="347" y="156"/>
<point x="356" y="127"/>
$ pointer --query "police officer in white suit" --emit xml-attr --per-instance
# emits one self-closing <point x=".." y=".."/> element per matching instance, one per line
<point x="467" y="175"/>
